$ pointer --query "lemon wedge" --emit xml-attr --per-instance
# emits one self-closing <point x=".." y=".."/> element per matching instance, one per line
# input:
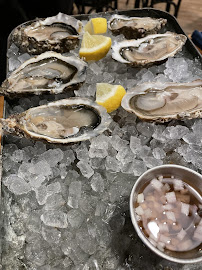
<point x="96" y="26"/>
<point x="109" y="96"/>
<point x="94" y="47"/>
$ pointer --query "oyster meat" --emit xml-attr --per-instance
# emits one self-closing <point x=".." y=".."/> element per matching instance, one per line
<point x="63" y="121"/>
<point x="162" y="102"/>
<point x="148" y="50"/>
<point x="58" y="33"/>
<point x="49" y="72"/>
<point x="135" y="27"/>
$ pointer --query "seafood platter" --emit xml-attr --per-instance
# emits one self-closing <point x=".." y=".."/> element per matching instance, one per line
<point x="68" y="166"/>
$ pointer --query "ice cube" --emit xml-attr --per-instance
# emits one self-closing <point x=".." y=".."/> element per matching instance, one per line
<point x="75" y="218"/>
<point x="24" y="57"/>
<point x="40" y="168"/>
<point x="12" y="50"/>
<point x="95" y="68"/>
<point x="36" y="181"/>
<point x="146" y="129"/>
<point x="54" y="201"/>
<point x="82" y="152"/>
<point x="138" y="167"/>
<point x="57" y="219"/>
<point x="159" y="153"/>
<point x="135" y="144"/>
<point x="18" y="156"/>
<point x="53" y="156"/>
<point x="176" y="132"/>
<point x="86" y="242"/>
<point x="69" y="157"/>
<point x="16" y="184"/>
<point x="74" y="194"/>
<point x="13" y="63"/>
<point x="97" y="183"/>
<point x="51" y="235"/>
<point x="97" y="153"/>
<point x="112" y="164"/>
<point x="85" y="168"/>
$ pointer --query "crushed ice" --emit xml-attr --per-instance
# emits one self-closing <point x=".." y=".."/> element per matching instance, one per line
<point x="66" y="207"/>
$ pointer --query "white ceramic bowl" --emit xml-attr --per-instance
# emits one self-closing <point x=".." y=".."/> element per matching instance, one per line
<point x="189" y="176"/>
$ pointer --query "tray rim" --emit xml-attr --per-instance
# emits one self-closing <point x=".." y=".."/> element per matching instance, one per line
<point x="85" y="17"/>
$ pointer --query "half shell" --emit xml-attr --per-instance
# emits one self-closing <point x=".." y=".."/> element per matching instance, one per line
<point x="49" y="72"/>
<point x="135" y="27"/>
<point x="63" y="121"/>
<point x="148" y="50"/>
<point x="58" y="33"/>
<point x="162" y="102"/>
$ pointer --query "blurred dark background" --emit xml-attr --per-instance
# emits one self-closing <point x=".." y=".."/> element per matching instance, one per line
<point x="15" y="12"/>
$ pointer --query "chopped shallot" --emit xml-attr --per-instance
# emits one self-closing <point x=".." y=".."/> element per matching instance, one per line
<point x="160" y="177"/>
<point x="139" y="210"/>
<point x="167" y="206"/>
<point x="163" y="227"/>
<point x="185" y="208"/>
<point x="156" y="184"/>
<point x="171" y="215"/>
<point x="152" y="241"/>
<point x="181" y="234"/>
<point x="165" y="239"/>
<point x="170" y="196"/>
<point x="161" y="246"/>
<point x="140" y="198"/>
<point x="178" y="184"/>
<point x="148" y="213"/>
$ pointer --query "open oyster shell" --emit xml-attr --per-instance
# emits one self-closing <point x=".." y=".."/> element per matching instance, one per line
<point x="135" y="27"/>
<point x="49" y="72"/>
<point x="162" y="102"/>
<point x="58" y="33"/>
<point x="63" y="121"/>
<point x="148" y="50"/>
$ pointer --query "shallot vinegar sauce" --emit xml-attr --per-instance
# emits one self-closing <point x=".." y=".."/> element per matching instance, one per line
<point x="168" y="213"/>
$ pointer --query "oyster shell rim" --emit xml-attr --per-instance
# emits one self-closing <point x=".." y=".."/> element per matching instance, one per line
<point x="78" y="79"/>
<point x="24" y="42"/>
<point x="139" y="89"/>
<point x="137" y="32"/>
<point x="117" y="46"/>
<point x="15" y="123"/>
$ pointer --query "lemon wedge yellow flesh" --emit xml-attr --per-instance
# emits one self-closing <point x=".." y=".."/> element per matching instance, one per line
<point x="96" y="26"/>
<point x="94" y="47"/>
<point x="109" y="96"/>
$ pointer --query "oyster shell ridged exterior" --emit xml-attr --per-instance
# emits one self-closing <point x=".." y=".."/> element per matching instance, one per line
<point x="49" y="72"/>
<point x="162" y="102"/>
<point x="63" y="121"/>
<point x="58" y="33"/>
<point x="148" y="50"/>
<point x="135" y="27"/>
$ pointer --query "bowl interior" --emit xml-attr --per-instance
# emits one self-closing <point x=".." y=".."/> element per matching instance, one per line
<point x="189" y="176"/>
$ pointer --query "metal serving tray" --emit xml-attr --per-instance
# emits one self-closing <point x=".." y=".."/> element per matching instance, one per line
<point x="123" y="250"/>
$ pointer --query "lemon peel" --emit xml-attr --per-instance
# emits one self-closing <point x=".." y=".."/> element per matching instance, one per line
<point x="96" y="26"/>
<point x="94" y="47"/>
<point x="109" y="96"/>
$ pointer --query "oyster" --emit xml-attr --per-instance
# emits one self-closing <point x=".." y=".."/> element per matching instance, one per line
<point x="148" y="50"/>
<point x="49" y="72"/>
<point x="162" y="102"/>
<point x="63" y="121"/>
<point x="58" y="33"/>
<point x="135" y="27"/>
